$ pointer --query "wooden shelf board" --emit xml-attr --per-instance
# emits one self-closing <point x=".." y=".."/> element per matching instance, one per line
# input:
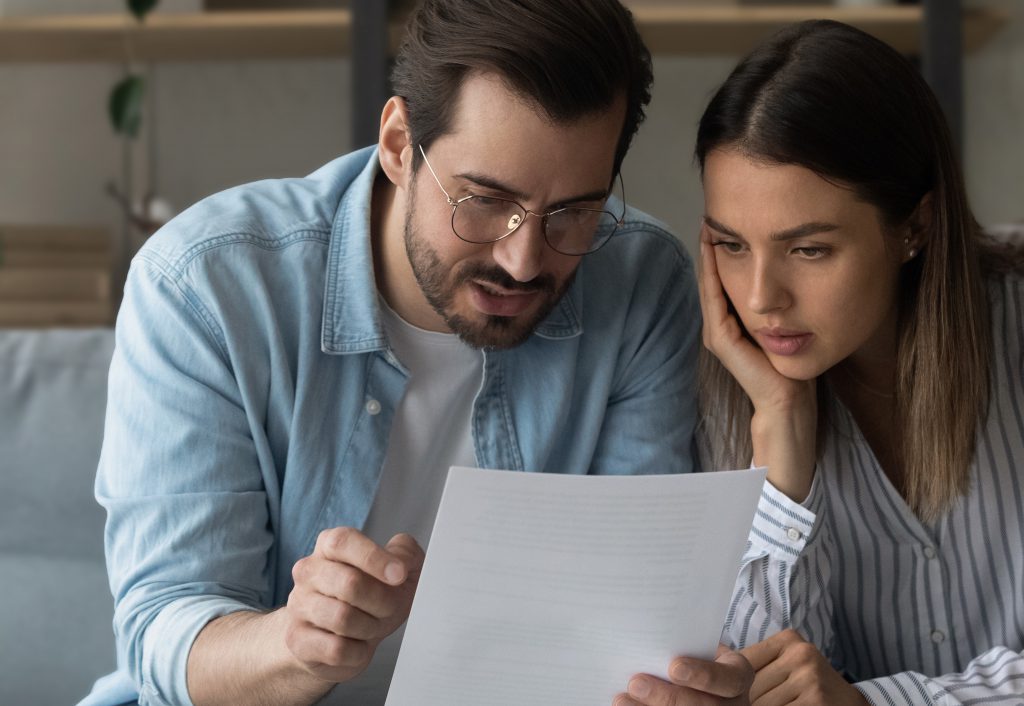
<point x="177" y="37"/>
<point x="735" y="30"/>
<point x="686" y="30"/>
<point x="49" y="237"/>
<point x="82" y="259"/>
<point x="49" y="284"/>
<point x="48" y="313"/>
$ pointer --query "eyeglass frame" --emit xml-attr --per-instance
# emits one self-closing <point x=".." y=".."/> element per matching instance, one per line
<point x="619" y="220"/>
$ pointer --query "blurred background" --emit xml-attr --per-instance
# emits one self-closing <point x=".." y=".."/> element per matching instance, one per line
<point x="110" y="122"/>
<point x="219" y="112"/>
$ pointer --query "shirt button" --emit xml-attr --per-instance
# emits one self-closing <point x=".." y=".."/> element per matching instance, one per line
<point x="938" y="637"/>
<point x="372" y="407"/>
<point x="929" y="552"/>
<point x="793" y="533"/>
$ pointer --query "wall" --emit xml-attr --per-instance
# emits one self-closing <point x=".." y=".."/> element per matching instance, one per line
<point x="994" y="120"/>
<point x="223" y="123"/>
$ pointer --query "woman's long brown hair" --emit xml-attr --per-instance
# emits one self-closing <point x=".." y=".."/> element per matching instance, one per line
<point x="835" y="100"/>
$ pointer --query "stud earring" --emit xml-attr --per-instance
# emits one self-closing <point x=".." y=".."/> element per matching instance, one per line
<point x="911" y="252"/>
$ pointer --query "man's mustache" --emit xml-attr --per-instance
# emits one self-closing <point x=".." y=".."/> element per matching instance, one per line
<point x="501" y="278"/>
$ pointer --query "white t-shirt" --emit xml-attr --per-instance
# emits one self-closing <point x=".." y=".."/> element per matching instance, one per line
<point x="430" y="432"/>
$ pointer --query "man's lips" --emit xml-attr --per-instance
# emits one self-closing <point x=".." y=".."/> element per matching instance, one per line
<point x="495" y="300"/>
<point x="782" y="341"/>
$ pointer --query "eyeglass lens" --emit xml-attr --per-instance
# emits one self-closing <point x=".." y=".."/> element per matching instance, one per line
<point x="573" y="231"/>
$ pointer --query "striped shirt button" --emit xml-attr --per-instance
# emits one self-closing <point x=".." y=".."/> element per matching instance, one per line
<point x="929" y="552"/>
<point x="938" y="637"/>
<point x="372" y="407"/>
<point x="793" y="533"/>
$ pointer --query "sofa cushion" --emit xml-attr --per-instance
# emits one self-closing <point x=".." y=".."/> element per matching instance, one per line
<point x="53" y="392"/>
<point x="56" y="626"/>
<point x="55" y="616"/>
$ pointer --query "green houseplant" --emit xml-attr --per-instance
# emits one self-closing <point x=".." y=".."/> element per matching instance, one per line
<point x="130" y="99"/>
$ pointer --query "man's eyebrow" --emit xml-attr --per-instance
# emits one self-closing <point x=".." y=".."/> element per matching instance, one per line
<point x="800" y="231"/>
<point x="495" y="185"/>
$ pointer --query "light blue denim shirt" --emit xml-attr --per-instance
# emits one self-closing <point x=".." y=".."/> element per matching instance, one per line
<point x="252" y="392"/>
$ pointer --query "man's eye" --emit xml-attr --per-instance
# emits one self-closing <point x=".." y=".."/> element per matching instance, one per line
<point x="485" y="203"/>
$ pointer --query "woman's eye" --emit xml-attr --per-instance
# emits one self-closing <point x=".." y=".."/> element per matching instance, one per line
<point x="811" y="253"/>
<point x="729" y="246"/>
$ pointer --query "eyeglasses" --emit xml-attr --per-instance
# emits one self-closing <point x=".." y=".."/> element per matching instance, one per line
<point x="570" y="231"/>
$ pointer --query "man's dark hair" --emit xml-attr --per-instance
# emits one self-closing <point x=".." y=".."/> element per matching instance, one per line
<point x="573" y="58"/>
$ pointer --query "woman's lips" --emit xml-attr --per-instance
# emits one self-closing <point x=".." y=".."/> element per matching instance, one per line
<point x="493" y="300"/>
<point x="782" y="341"/>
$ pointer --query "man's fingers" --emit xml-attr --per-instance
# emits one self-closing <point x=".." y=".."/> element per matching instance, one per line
<point x="318" y="647"/>
<point x="334" y="616"/>
<point x="346" y="583"/>
<point x="729" y="676"/>
<point x="650" y="691"/>
<point x="350" y="546"/>
<point x="407" y="548"/>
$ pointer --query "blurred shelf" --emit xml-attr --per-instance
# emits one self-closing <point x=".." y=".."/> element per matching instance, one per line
<point x="177" y="37"/>
<point x="55" y="276"/>
<point x="46" y="314"/>
<point x="735" y="30"/>
<point x="689" y="30"/>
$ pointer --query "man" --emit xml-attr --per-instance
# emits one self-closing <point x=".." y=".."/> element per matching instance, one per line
<point x="300" y="361"/>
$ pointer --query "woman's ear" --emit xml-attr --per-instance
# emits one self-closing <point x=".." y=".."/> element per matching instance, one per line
<point x="920" y="226"/>
<point x="395" y="147"/>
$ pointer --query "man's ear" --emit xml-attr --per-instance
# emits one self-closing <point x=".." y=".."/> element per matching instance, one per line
<point x="395" y="149"/>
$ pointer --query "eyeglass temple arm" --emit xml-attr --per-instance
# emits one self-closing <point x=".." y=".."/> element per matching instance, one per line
<point x="426" y="161"/>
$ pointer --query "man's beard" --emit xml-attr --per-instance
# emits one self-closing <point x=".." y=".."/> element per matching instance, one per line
<point x="439" y="285"/>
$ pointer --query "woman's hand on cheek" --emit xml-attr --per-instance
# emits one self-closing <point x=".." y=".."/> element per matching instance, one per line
<point x="791" y="670"/>
<point x="784" y="425"/>
<point x="723" y="336"/>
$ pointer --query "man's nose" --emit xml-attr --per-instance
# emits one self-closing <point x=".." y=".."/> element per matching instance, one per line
<point x="521" y="254"/>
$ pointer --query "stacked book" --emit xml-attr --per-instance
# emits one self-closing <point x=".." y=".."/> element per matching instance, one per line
<point x="55" y="276"/>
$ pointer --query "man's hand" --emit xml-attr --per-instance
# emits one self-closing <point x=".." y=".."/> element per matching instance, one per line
<point x="349" y="595"/>
<point x="791" y="670"/>
<point x="695" y="682"/>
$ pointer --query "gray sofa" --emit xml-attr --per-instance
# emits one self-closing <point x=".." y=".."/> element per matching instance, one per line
<point x="56" y="608"/>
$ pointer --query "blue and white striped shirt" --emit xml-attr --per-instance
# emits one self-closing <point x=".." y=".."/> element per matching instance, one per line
<point x="913" y="613"/>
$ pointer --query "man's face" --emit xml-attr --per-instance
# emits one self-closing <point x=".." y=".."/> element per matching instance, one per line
<point x="494" y="294"/>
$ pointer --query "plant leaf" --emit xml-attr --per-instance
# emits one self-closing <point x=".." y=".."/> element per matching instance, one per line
<point x="141" y="8"/>
<point x="126" y="105"/>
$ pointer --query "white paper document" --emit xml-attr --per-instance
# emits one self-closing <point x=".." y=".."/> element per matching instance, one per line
<point x="555" y="589"/>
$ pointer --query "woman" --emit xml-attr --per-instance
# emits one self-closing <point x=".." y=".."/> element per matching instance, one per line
<point x="868" y="348"/>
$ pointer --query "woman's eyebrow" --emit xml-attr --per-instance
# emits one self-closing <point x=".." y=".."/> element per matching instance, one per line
<point x="800" y="231"/>
<point x="725" y="230"/>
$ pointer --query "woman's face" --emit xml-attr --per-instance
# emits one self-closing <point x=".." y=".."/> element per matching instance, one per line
<point x="805" y="263"/>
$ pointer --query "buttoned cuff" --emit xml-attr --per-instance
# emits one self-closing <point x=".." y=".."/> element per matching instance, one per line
<point x="903" y="689"/>
<point x="782" y="528"/>
<point x="168" y="641"/>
